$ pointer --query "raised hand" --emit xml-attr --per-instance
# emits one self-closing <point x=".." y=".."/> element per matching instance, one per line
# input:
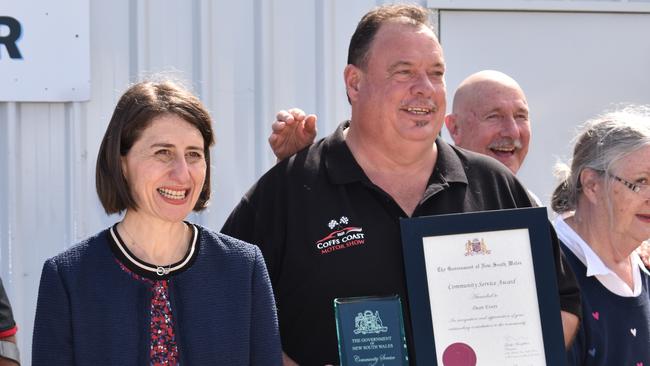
<point x="291" y="132"/>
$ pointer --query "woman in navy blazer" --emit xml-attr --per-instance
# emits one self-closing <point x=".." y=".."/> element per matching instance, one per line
<point x="154" y="289"/>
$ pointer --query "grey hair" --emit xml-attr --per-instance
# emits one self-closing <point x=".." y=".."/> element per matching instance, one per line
<point x="601" y="143"/>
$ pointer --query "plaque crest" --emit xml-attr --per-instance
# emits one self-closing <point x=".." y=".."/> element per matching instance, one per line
<point x="365" y="337"/>
<point x="367" y="323"/>
<point x="475" y="247"/>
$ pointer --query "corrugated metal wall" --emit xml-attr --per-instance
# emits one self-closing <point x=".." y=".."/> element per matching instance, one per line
<point x="246" y="59"/>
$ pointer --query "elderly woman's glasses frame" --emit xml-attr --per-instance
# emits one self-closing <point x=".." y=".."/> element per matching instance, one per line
<point x="641" y="189"/>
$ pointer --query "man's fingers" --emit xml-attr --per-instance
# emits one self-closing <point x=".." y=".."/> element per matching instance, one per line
<point x="310" y="125"/>
<point x="278" y="126"/>
<point x="276" y="142"/>
<point x="297" y="113"/>
<point x="284" y="116"/>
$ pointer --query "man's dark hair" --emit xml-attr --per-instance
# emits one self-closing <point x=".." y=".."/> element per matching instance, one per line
<point x="135" y="110"/>
<point x="370" y="23"/>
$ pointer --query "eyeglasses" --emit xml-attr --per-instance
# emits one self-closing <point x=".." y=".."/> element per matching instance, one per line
<point x="642" y="189"/>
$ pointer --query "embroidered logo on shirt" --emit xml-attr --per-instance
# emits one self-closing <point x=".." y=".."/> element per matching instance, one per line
<point x="343" y="235"/>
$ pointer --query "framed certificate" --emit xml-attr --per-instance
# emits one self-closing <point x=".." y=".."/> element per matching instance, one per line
<point x="482" y="289"/>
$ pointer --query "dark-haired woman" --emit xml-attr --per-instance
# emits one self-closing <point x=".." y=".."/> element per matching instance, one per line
<point x="155" y="289"/>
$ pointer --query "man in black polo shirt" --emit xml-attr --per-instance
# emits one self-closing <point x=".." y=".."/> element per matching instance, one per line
<point x="383" y="164"/>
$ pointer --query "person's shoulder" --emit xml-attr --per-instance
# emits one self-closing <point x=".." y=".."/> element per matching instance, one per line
<point x="294" y="171"/>
<point x="310" y="159"/>
<point x="307" y="160"/>
<point x="481" y="164"/>
<point x="487" y="174"/>
<point x="223" y="244"/>
<point x="88" y="247"/>
<point x="84" y="257"/>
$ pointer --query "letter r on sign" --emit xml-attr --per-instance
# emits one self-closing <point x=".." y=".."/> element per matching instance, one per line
<point x="9" y="40"/>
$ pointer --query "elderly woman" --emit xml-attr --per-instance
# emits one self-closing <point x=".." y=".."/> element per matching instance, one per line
<point x="154" y="289"/>
<point x="604" y="203"/>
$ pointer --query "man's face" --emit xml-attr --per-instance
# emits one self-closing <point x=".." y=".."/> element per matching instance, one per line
<point x="400" y="94"/>
<point x="494" y="122"/>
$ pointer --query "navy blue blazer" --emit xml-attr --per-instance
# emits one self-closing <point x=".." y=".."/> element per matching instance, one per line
<point x="92" y="312"/>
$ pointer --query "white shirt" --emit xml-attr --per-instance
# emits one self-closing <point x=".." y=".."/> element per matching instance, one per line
<point x="595" y="266"/>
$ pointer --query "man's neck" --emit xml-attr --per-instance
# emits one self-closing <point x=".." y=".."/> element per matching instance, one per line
<point x="401" y="171"/>
<point x="395" y="155"/>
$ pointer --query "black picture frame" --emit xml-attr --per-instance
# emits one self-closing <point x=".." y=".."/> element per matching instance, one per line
<point x="535" y="220"/>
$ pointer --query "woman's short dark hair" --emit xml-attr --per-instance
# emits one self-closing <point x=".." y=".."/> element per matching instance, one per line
<point x="135" y="110"/>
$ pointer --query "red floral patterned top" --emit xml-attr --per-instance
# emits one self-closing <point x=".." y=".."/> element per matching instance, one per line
<point x="163" y="349"/>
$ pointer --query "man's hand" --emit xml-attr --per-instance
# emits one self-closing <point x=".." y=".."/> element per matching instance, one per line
<point x="292" y="131"/>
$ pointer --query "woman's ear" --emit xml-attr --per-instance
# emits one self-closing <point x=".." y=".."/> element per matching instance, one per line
<point x="591" y="183"/>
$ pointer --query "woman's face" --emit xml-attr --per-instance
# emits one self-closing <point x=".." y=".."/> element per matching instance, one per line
<point x="165" y="168"/>
<point x="631" y="210"/>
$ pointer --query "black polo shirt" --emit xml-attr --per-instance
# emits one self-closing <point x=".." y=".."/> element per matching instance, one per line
<point x="327" y="231"/>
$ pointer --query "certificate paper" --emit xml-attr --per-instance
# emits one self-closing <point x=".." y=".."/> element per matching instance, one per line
<point x="489" y="298"/>
<point x="482" y="289"/>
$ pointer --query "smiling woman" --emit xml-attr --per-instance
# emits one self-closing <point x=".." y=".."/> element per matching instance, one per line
<point x="604" y="200"/>
<point x="166" y="169"/>
<point x="154" y="289"/>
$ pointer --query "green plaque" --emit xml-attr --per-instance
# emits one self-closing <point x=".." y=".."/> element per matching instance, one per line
<point x="370" y="331"/>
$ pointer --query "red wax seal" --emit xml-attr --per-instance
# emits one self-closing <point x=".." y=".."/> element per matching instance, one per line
<point x="459" y="354"/>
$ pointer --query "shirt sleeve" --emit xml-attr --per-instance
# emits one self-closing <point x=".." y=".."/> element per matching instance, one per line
<point x="260" y="219"/>
<point x="567" y="283"/>
<point x="7" y="322"/>
<point x="240" y="223"/>
<point x="566" y="280"/>
<point x="52" y="339"/>
<point x="265" y="336"/>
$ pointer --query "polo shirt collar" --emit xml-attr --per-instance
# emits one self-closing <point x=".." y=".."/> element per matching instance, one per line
<point x="449" y="168"/>
<point x="343" y="168"/>
<point x="341" y="165"/>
